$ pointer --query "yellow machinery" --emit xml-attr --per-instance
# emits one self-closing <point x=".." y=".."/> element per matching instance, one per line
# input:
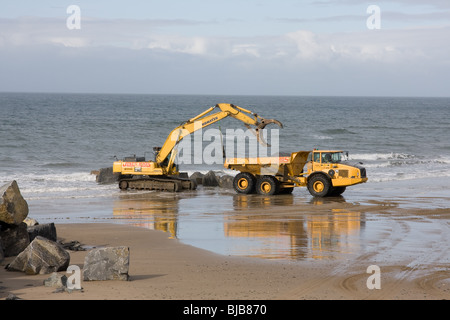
<point x="162" y="173"/>
<point x="326" y="174"/>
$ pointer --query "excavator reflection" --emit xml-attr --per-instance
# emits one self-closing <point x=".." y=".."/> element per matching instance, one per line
<point x="149" y="211"/>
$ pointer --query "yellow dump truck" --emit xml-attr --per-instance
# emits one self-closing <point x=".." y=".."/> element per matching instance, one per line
<point x="323" y="172"/>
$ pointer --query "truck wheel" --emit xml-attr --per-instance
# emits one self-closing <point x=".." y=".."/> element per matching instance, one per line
<point x="123" y="185"/>
<point x="337" y="191"/>
<point x="287" y="190"/>
<point x="267" y="185"/>
<point x="244" y="182"/>
<point x="319" y="186"/>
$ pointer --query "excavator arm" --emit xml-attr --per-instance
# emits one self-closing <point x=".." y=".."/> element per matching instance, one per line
<point x="251" y="120"/>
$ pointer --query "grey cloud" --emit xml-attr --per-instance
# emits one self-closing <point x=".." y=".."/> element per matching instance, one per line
<point x="105" y="56"/>
<point x="440" y="4"/>
<point x="386" y="15"/>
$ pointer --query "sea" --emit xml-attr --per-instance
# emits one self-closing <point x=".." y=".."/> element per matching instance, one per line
<point x="50" y="143"/>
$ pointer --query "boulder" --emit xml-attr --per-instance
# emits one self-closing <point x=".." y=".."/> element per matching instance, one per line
<point x="56" y="280"/>
<point x="30" y="222"/>
<point x="12" y="296"/>
<point x="210" y="179"/>
<point x="14" y="239"/>
<point x="183" y="175"/>
<point x="197" y="177"/>
<point x="106" y="176"/>
<point x="73" y="245"/>
<point x="226" y="181"/>
<point x="13" y="207"/>
<point x="44" y="230"/>
<point x="111" y="263"/>
<point x="42" y="256"/>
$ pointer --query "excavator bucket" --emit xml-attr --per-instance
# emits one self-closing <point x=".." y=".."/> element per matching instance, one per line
<point x="263" y="123"/>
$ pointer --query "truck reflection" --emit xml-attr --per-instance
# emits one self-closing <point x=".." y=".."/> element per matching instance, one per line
<point x="285" y="230"/>
<point x="270" y="227"/>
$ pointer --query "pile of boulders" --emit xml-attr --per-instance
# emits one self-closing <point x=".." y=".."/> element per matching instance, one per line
<point x="34" y="248"/>
<point x="210" y="179"/>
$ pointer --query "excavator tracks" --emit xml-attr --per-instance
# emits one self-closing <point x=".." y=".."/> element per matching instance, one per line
<point x="159" y="184"/>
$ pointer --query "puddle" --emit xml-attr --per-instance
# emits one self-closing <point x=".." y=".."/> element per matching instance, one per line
<point x="283" y="227"/>
<point x="287" y="227"/>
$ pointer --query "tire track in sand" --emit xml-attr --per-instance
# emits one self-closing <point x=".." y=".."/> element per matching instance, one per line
<point x="398" y="231"/>
<point x="392" y="287"/>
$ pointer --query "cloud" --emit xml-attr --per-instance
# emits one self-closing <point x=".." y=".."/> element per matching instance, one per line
<point x="141" y="56"/>
<point x="439" y="4"/>
<point x="391" y="16"/>
<point x="93" y="32"/>
<point x="380" y="45"/>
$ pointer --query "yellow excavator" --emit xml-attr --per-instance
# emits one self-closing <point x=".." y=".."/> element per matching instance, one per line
<point x="162" y="173"/>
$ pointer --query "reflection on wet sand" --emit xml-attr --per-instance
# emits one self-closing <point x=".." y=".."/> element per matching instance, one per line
<point x="150" y="211"/>
<point x="297" y="235"/>
<point x="267" y="227"/>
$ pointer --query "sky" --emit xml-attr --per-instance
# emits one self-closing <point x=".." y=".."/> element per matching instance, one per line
<point x="245" y="47"/>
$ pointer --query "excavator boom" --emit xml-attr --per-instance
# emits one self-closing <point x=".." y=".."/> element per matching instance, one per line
<point x="205" y="119"/>
<point x="162" y="174"/>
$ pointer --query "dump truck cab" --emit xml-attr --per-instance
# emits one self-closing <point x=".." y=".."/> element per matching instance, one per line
<point x="329" y="172"/>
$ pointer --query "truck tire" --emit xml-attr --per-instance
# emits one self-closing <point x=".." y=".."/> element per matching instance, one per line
<point x="287" y="190"/>
<point x="337" y="191"/>
<point x="123" y="185"/>
<point x="319" y="185"/>
<point x="244" y="182"/>
<point x="267" y="185"/>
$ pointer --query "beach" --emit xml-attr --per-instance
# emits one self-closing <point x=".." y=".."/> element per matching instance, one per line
<point x="213" y="243"/>
<point x="327" y="260"/>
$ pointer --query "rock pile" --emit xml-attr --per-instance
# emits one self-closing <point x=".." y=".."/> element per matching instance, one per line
<point x="106" y="176"/>
<point x="35" y="248"/>
<point x="211" y="179"/>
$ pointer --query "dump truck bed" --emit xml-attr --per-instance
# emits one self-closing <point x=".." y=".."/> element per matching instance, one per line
<point x="292" y="165"/>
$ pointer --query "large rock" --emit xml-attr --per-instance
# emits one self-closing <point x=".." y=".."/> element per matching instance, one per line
<point x="107" y="176"/>
<point x="210" y="180"/>
<point x="47" y="230"/>
<point x="110" y="263"/>
<point x="30" y="222"/>
<point x="13" y="207"/>
<point x="42" y="256"/>
<point x="197" y="177"/>
<point x="56" y="280"/>
<point x="226" y="181"/>
<point x="14" y="239"/>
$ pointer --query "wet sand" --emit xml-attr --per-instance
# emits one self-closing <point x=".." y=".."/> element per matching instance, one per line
<point x="286" y="248"/>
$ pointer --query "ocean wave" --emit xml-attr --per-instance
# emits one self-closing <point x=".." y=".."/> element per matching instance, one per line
<point x="60" y="165"/>
<point x="404" y="176"/>
<point x="381" y="156"/>
<point x="322" y="137"/>
<point x="338" y="131"/>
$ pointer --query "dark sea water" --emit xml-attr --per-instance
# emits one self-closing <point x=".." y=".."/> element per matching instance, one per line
<point x="51" y="142"/>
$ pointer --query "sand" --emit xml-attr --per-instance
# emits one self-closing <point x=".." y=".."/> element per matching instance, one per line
<point x="328" y="246"/>
<point x="166" y="269"/>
